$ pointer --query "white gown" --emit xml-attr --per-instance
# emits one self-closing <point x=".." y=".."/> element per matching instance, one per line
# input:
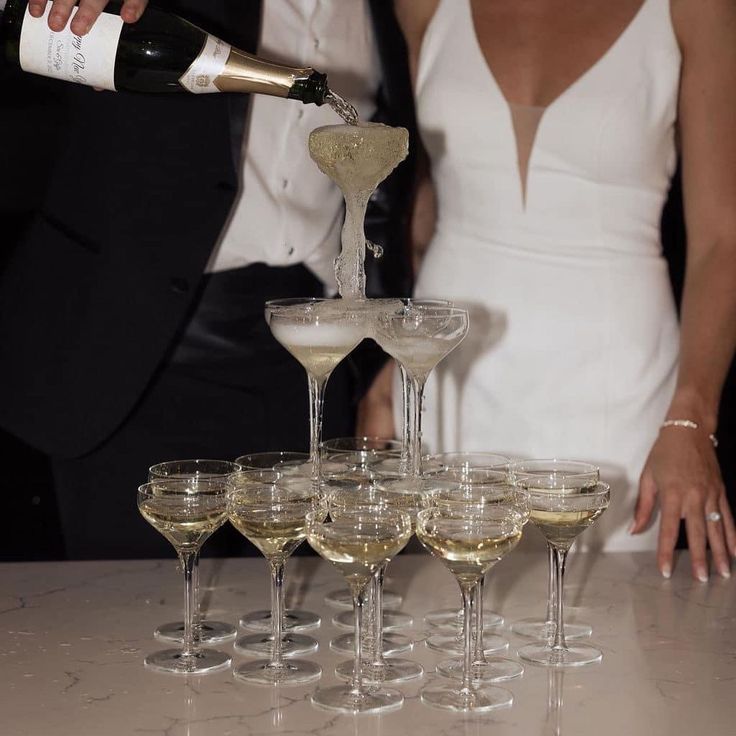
<point x="573" y="342"/>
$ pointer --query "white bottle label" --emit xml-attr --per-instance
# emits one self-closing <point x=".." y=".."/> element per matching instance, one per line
<point x="201" y="75"/>
<point x="86" y="59"/>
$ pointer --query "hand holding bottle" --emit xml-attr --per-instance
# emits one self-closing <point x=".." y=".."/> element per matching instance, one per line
<point x="89" y="11"/>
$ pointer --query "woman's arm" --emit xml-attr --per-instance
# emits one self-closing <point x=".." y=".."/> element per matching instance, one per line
<point x="682" y="470"/>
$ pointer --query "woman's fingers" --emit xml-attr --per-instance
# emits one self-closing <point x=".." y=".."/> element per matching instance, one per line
<point x="644" y="503"/>
<point x="729" y="527"/>
<point x="669" y="527"/>
<point x="695" y="527"/>
<point x="715" y="530"/>
<point x="60" y="13"/>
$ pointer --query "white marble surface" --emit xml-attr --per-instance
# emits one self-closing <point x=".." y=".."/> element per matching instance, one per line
<point x="73" y="637"/>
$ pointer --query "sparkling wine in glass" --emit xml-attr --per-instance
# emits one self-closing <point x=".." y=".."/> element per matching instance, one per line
<point x="418" y="337"/>
<point x="556" y="474"/>
<point x="471" y="468"/>
<point x="270" y="511"/>
<point x="295" y="619"/>
<point x="487" y="488"/>
<point x="561" y="515"/>
<point x="319" y="333"/>
<point x="469" y="538"/>
<point x="358" y="542"/>
<point x="205" y="631"/>
<point x="186" y="511"/>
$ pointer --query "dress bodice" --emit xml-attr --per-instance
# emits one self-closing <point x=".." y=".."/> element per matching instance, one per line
<point x="599" y="161"/>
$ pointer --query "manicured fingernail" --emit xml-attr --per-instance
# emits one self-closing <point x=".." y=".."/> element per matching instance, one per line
<point x="630" y="530"/>
<point x="666" y="571"/>
<point x="702" y="575"/>
<point x="35" y="11"/>
<point x="725" y="573"/>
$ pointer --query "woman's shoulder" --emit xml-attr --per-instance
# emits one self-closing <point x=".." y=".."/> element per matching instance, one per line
<point x="697" y="23"/>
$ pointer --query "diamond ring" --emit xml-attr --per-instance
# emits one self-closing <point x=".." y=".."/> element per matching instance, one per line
<point x="713" y="516"/>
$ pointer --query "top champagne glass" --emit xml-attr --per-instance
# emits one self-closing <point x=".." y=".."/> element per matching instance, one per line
<point x="319" y="333"/>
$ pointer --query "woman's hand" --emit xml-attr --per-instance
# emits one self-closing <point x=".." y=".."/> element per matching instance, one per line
<point x="89" y="11"/>
<point x="682" y="472"/>
<point x="375" y="411"/>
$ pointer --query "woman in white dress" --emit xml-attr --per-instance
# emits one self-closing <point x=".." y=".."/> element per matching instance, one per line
<point x="551" y="129"/>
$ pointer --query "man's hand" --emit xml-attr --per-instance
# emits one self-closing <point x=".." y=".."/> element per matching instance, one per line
<point x="89" y="11"/>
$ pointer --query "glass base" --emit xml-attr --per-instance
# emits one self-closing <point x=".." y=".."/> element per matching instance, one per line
<point x="478" y="700"/>
<point x="390" y="671"/>
<point x="202" y="662"/>
<point x="294" y="620"/>
<point x="452" y="618"/>
<point x="495" y="669"/>
<point x="341" y="698"/>
<point x="391" y="620"/>
<point x="573" y="656"/>
<point x="392" y="644"/>
<point x="261" y="645"/>
<point x="207" y="632"/>
<point x="534" y="628"/>
<point x="454" y="644"/>
<point x="343" y="599"/>
<point x="292" y="672"/>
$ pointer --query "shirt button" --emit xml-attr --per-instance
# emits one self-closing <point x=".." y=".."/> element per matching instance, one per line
<point x="284" y="183"/>
<point x="316" y="43"/>
<point x="291" y="251"/>
<point x="300" y="114"/>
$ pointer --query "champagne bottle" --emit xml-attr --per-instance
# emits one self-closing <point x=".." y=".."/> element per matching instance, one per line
<point x="160" y="53"/>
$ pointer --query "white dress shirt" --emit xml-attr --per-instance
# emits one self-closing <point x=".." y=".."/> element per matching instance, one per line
<point x="288" y="212"/>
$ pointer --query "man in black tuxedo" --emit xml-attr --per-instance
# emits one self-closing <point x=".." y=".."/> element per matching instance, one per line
<point x="115" y="350"/>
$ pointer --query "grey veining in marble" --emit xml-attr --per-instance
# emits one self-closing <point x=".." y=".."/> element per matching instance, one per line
<point x="73" y="637"/>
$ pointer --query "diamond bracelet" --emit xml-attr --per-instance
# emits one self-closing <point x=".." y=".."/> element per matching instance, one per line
<point x="688" y="424"/>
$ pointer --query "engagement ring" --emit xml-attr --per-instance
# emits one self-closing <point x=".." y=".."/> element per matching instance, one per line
<point x="713" y="516"/>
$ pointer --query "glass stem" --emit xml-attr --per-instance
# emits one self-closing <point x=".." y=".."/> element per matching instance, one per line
<point x="406" y="429"/>
<point x="197" y="615"/>
<point x="415" y="457"/>
<point x="277" y="611"/>
<point x="560" y="558"/>
<point x="356" y="686"/>
<point x="551" y="586"/>
<point x="316" y="396"/>
<point x="479" y="652"/>
<point x="188" y="562"/>
<point x="378" y="615"/>
<point x="467" y="594"/>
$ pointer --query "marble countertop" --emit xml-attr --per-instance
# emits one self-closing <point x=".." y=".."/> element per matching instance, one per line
<point x="73" y="637"/>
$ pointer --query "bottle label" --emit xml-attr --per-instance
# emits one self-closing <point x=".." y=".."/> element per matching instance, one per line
<point x="207" y="67"/>
<point x="86" y="59"/>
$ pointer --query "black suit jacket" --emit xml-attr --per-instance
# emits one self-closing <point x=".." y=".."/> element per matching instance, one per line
<point x="105" y="249"/>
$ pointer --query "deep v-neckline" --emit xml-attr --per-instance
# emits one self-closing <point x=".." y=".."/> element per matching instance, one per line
<point x="525" y="149"/>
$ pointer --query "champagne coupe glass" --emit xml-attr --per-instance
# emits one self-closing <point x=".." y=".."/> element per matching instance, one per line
<point x="358" y="542"/>
<point x="401" y="495"/>
<point x="418" y="337"/>
<point x="471" y="467"/>
<point x="186" y="511"/>
<point x="355" y="487"/>
<point x="205" y="631"/>
<point x="319" y="333"/>
<point x="560" y="473"/>
<point x="469" y="538"/>
<point x="342" y="454"/>
<point x="270" y="512"/>
<point x="561" y="512"/>
<point x="487" y="487"/>
<point x="295" y="619"/>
